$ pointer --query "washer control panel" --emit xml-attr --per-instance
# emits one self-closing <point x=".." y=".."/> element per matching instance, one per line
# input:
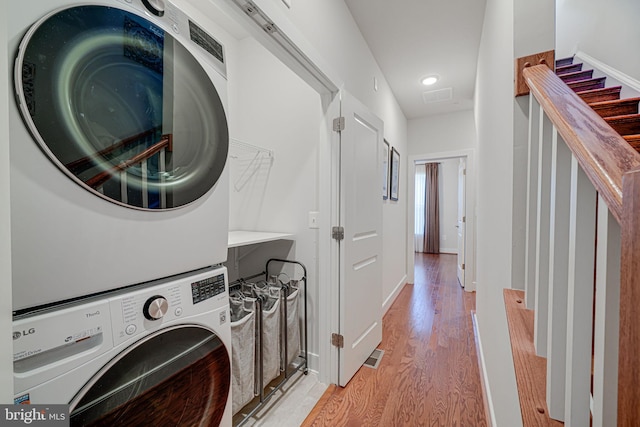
<point x="167" y="301"/>
<point x="207" y="288"/>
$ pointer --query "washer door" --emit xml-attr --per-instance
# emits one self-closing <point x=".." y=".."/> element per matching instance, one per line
<point x="176" y="376"/>
<point x="122" y="107"/>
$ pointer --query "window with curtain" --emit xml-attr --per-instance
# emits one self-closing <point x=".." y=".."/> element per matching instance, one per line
<point x="427" y="214"/>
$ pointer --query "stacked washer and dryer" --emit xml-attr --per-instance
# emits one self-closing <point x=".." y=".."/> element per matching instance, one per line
<point x="119" y="203"/>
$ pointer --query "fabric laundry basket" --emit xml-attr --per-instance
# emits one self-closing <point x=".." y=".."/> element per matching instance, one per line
<point x="293" y="326"/>
<point x="271" y="338"/>
<point x="243" y="342"/>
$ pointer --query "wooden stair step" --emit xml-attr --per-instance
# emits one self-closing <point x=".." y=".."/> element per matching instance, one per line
<point x="618" y="107"/>
<point x="598" y="95"/>
<point x="634" y="141"/>
<point x="578" y="75"/>
<point x="564" y="61"/>
<point x="571" y="68"/>
<point x="625" y="125"/>
<point x="590" y="84"/>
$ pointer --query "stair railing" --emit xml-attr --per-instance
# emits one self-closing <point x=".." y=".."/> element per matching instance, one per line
<point x="583" y="216"/>
<point x="161" y="147"/>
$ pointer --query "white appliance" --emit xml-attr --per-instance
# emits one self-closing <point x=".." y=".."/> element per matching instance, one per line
<point x="119" y="143"/>
<point x="156" y="354"/>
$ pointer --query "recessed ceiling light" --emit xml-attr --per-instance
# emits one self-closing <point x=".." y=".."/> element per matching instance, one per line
<point x="428" y="81"/>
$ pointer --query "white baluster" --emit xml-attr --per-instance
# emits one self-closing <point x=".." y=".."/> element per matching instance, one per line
<point x="124" y="194"/>
<point x="161" y="171"/>
<point x="532" y="204"/>
<point x="607" y="320"/>
<point x="558" y="276"/>
<point x="144" y="177"/>
<point x="541" y="312"/>
<point x="580" y="298"/>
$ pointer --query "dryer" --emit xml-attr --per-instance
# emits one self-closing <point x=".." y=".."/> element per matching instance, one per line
<point x="157" y="354"/>
<point x="119" y="142"/>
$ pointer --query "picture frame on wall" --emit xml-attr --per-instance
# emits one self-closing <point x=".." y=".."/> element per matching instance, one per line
<point x="395" y="174"/>
<point x="385" y="169"/>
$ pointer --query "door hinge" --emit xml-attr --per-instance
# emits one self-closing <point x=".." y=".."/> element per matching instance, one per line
<point x="464" y="172"/>
<point x="338" y="124"/>
<point x="337" y="233"/>
<point x="337" y="340"/>
<point x="463" y="266"/>
<point x="464" y="219"/>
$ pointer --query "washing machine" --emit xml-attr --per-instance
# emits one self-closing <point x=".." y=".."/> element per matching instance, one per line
<point x="119" y="141"/>
<point x="154" y="354"/>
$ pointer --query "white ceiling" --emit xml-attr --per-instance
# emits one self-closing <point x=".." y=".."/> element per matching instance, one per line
<point x="411" y="39"/>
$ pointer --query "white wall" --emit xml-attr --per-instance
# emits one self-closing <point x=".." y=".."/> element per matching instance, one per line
<point x="494" y="119"/>
<point x="272" y="108"/>
<point x="330" y="28"/>
<point x="533" y="33"/>
<point x="442" y="133"/>
<point x="6" y="344"/>
<point x="439" y="137"/>
<point x="603" y="30"/>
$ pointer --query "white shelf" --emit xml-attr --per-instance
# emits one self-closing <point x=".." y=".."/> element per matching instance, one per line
<point x="242" y="237"/>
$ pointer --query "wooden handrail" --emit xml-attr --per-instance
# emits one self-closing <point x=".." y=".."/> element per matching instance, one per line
<point x="123" y="143"/>
<point x="104" y="176"/>
<point x="613" y="167"/>
<point x="602" y="153"/>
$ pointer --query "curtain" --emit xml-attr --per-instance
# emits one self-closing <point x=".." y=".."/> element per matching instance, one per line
<point x="419" y="208"/>
<point x="431" y="210"/>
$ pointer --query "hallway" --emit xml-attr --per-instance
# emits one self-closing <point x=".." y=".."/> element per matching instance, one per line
<point x="429" y="373"/>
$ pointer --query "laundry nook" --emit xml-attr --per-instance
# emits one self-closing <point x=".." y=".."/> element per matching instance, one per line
<point x="296" y="213"/>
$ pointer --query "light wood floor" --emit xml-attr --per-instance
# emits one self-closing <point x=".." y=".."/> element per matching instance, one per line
<point x="429" y="373"/>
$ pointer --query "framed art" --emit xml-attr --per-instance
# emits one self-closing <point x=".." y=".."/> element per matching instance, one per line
<point x="395" y="174"/>
<point x="385" y="169"/>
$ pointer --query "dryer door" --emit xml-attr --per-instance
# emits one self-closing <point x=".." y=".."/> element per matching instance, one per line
<point x="122" y="106"/>
<point x="176" y="376"/>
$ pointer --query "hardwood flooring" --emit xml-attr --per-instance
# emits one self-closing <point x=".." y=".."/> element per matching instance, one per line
<point x="429" y="373"/>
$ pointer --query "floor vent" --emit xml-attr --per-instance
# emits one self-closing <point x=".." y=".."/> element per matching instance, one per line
<point x="374" y="360"/>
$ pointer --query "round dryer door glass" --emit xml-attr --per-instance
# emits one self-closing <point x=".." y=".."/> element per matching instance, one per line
<point x="122" y="106"/>
<point x="176" y="377"/>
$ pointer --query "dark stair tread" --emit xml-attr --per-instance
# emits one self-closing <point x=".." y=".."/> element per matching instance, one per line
<point x="604" y="94"/>
<point x="634" y="141"/>
<point x="589" y="84"/>
<point x="564" y="61"/>
<point x="571" y="68"/>
<point x="618" y="107"/>
<point x="625" y="125"/>
<point x="576" y="76"/>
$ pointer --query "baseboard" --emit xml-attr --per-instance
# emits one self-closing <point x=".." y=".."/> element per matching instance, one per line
<point x="610" y="71"/>
<point x="452" y="251"/>
<point x="485" y="379"/>
<point x="392" y="297"/>
<point x="313" y="363"/>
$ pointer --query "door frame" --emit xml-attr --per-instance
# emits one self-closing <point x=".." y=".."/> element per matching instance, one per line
<point x="470" y="210"/>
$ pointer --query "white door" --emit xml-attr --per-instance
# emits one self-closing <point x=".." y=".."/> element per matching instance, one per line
<point x="361" y="249"/>
<point x="462" y="220"/>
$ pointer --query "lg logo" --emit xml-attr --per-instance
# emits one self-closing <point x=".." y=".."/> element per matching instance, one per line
<point x="18" y="334"/>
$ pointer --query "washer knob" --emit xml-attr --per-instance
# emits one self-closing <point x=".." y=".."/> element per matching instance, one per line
<point x="155" y="307"/>
<point x="156" y="7"/>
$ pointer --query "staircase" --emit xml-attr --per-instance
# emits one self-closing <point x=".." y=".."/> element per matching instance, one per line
<point x="621" y="114"/>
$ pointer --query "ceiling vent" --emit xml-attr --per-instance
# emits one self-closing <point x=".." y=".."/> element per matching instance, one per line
<point x="439" y="95"/>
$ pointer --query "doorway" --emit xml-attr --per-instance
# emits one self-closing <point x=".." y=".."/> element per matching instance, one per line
<point x="456" y="208"/>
